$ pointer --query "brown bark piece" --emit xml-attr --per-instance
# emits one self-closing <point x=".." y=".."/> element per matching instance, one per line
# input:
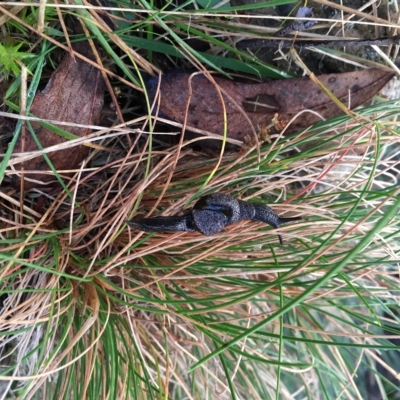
<point x="75" y="93"/>
<point x="261" y="101"/>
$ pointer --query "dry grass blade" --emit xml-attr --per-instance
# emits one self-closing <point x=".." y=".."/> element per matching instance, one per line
<point x="90" y="308"/>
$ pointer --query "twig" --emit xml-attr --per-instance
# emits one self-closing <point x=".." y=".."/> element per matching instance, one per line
<point x="286" y="43"/>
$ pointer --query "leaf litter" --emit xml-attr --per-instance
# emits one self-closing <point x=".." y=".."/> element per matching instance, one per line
<point x="252" y="105"/>
<point x="75" y="94"/>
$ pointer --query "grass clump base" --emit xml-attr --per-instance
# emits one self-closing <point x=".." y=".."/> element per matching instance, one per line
<point x="92" y="309"/>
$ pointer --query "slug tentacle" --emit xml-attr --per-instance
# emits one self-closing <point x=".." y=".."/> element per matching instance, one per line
<point x="211" y="214"/>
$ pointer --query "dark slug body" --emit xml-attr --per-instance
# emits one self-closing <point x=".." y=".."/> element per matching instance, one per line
<point x="210" y="215"/>
<point x="164" y="224"/>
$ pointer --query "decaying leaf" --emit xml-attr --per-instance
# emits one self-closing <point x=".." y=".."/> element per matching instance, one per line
<point x="261" y="102"/>
<point x="75" y="93"/>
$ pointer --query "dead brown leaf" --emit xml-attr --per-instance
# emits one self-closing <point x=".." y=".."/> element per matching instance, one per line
<point x="75" y="93"/>
<point x="261" y="102"/>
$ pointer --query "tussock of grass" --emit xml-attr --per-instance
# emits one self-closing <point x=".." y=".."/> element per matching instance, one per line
<point x="92" y="309"/>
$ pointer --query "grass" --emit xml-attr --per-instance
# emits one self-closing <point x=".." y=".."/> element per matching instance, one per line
<point x="92" y="309"/>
